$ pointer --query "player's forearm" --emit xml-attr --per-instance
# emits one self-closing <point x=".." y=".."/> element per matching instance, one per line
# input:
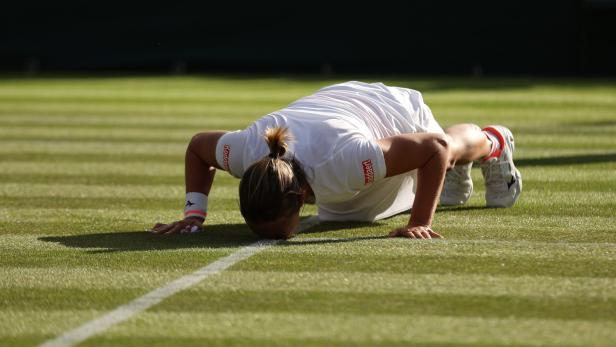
<point x="429" y="184"/>
<point x="200" y="163"/>
<point x="199" y="174"/>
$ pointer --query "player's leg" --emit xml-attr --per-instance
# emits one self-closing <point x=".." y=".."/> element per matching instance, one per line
<point x="493" y="147"/>
<point x="468" y="143"/>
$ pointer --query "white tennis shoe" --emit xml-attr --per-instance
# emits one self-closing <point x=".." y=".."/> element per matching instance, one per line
<point x="458" y="186"/>
<point x="503" y="181"/>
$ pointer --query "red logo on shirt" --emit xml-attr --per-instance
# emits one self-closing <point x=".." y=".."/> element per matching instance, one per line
<point x="368" y="171"/>
<point x="226" y="150"/>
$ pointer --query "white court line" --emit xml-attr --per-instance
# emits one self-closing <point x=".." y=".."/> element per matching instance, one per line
<point x="126" y="311"/>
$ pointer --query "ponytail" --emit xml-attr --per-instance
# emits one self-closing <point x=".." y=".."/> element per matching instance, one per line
<point x="276" y="139"/>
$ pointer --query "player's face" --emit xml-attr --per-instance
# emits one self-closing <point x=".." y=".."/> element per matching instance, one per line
<point x="281" y="228"/>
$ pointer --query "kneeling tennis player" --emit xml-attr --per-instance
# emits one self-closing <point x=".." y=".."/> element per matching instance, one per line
<point x="360" y="152"/>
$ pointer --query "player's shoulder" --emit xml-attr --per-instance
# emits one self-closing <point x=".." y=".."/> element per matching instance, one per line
<point x="230" y="151"/>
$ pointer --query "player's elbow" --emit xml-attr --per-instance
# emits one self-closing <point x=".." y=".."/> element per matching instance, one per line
<point x="196" y="145"/>
<point x="197" y="142"/>
<point x="441" y="146"/>
<point x="195" y="139"/>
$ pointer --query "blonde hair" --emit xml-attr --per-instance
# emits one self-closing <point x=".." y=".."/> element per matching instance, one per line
<point x="270" y="187"/>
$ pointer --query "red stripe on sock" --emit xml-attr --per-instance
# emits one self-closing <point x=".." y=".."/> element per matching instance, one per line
<point x="496" y="153"/>
<point x="199" y="212"/>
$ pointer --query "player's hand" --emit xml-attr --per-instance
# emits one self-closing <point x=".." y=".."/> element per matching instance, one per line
<point x="415" y="232"/>
<point x="185" y="226"/>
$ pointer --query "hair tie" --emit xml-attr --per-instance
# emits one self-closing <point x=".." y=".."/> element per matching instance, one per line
<point x="273" y="155"/>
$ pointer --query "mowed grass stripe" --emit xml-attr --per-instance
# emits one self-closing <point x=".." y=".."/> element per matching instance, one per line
<point x="102" y="299"/>
<point x="236" y="282"/>
<point x="270" y="282"/>
<point x="83" y="278"/>
<point x="81" y="179"/>
<point x="198" y="110"/>
<point x="135" y="101"/>
<point x="104" y="191"/>
<point x="419" y="263"/>
<point x="115" y="121"/>
<point x="241" y="92"/>
<point x="93" y="168"/>
<point x="100" y="147"/>
<point x="112" y="205"/>
<point x="356" y="248"/>
<point x="94" y="134"/>
<point x="407" y="303"/>
<point x="20" y="323"/>
<point x="369" y="327"/>
<point x="87" y="158"/>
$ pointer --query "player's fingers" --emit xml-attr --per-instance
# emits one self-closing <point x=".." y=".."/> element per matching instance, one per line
<point x="435" y="235"/>
<point x="160" y="229"/>
<point x="426" y="234"/>
<point x="408" y="233"/>
<point x="418" y="234"/>
<point x="176" y="228"/>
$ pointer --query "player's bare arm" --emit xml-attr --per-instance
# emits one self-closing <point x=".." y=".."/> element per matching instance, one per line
<point x="430" y="154"/>
<point x="200" y="168"/>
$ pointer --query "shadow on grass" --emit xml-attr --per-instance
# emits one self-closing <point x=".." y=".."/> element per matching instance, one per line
<point x="334" y="226"/>
<point x="317" y="241"/>
<point x="446" y="209"/>
<point x="568" y="160"/>
<point x="215" y="236"/>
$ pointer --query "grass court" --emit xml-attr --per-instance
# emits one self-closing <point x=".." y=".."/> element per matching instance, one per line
<point x="88" y="164"/>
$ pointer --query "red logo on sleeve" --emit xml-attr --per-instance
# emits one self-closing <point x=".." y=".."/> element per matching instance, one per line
<point x="226" y="150"/>
<point x="368" y="171"/>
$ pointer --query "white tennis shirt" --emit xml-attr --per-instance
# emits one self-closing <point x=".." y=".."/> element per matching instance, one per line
<point x="335" y="134"/>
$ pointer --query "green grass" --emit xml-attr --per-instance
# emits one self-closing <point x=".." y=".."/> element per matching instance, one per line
<point x="87" y="164"/>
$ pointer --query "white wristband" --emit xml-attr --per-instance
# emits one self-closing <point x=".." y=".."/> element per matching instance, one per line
<point x="195" y="205"/>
